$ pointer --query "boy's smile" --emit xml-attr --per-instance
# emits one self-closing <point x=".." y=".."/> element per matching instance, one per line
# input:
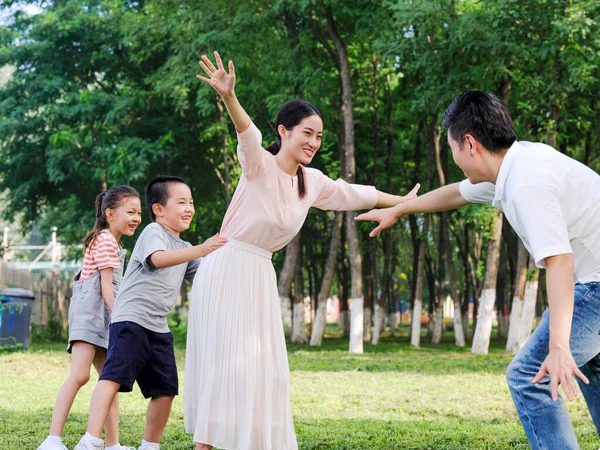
<point x="176" y="215"/>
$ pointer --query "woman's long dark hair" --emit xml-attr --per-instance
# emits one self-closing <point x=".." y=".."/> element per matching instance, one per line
<point x="290" y="115"/>
<point x="109" y="199"/>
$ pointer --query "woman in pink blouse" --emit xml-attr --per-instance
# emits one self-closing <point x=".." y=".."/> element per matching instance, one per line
<point x="237" y="391"/>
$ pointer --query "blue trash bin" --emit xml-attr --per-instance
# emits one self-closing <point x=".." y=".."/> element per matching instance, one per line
<point x="15" y="316"/>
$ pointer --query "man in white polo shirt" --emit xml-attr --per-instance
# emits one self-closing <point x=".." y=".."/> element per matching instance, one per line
<point x="553" y="203"/>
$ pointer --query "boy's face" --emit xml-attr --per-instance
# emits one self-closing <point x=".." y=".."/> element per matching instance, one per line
<point x="177" y="213"/>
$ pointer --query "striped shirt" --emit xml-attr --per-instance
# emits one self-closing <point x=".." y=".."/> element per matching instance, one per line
<point x="101" y="254"/>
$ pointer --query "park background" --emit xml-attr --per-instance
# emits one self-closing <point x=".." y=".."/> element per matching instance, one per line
<point x="99" y="93"/>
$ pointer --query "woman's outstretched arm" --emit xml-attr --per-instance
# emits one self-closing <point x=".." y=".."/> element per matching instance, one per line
<point x="385" y="200"/>
<point x="224" y="84"/>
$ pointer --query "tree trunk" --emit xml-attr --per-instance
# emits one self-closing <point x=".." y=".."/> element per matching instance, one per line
<point x="381" y="305"/>
<point x="457" y="320"/>
<point x="481" y="339"/>
<point x="415" y="334"/>
<point x="529" y="302"/>
<point x="345" y="289"/>
<point x="370" y="288"/>
<point x="553" y="121"/>
<point x="438" y="329"/>
<point x="286" y="276"/>
<point x="299" y="335"/>
<point x="321" y="316"/>
<point x="517" y="300"/>
<point x="388" y="269"/>
<point x="356" y="291"/>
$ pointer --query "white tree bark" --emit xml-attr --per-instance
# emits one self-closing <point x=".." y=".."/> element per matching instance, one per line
<point x="379" y="324"/>
<point x="518" y="295"/>
<point x="316" y="338"/>
<point x="438" y="327"/>
<point x="393" y="322"/>
<point x="299" y="325"/>
<point x="459" y="336"/>
<point x="481" y="339"/>
<point x="528" y="313"/>
<point x="286" y="310"/>
<point x="415" y="333"/>
<point x="318" y="330"/>
<point x="356" y="325"/>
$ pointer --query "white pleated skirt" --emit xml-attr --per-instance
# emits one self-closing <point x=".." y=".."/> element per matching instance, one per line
<point x="236" y="387"/>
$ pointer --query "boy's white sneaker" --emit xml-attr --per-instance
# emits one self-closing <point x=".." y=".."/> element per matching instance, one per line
<point x="51" y="446"/>
<point x="85" y="444"/>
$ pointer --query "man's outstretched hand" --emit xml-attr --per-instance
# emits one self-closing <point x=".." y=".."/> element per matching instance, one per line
<point x="386" y="217"/>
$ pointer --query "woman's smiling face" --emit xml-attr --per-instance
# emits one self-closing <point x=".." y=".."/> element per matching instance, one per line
<point x="303" y="141"/>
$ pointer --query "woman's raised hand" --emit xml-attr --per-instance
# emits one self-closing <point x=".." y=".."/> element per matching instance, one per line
<point x="219" y="79"/>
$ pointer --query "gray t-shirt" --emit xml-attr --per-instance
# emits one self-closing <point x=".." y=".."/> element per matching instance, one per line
<point x="147" y="294"/>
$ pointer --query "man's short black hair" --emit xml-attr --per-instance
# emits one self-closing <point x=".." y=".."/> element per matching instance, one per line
<point x="484" y="117"/>
<point x="157" y="191"/>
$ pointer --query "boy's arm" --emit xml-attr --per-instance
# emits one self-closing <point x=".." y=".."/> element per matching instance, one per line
<point x="441" y="199"/>
<point x="559" y="363"/>
<point x="168" y="258"/>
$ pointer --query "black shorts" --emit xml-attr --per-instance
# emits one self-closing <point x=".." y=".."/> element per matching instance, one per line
<point x="138" y="354"/>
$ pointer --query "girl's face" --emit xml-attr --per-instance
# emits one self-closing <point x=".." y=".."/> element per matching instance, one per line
<point x="302" y="142"/>
<point x="125" y="218"/>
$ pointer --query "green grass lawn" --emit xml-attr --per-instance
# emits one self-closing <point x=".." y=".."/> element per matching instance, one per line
<point x="392" y="397"/>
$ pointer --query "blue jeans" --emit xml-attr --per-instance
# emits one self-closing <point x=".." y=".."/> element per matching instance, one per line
<point x="546" y="422"/>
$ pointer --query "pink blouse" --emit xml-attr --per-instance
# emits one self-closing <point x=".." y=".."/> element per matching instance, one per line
<point x="266" y="210"/>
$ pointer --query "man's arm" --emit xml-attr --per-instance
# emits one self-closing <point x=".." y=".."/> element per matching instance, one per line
<point x="559" y="363"/>
<point x="441" y="199"/>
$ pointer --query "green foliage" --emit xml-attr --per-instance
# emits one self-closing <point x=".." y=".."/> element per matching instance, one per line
<point x="104" y="93"/>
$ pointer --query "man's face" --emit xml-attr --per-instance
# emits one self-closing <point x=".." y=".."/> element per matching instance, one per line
<point x="466" y="157"/>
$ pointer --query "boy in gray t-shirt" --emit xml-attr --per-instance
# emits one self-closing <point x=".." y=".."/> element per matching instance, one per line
<point x="141" y="345"/>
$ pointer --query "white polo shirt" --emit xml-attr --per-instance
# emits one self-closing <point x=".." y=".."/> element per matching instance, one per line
<point x="551" y="201"/>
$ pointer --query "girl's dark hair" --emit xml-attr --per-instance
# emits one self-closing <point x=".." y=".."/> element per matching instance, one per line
<point x="109" y="199"/>
<point x="157" y="191"/>
<point x="290" y="115"/>
<point x="483" y="116"/>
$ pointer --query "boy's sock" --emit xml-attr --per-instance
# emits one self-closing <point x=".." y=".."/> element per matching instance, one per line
<point x="149" y="445"/>
<point x="54" y="440"/>
<point x="88" y="437"/>
<point x="89" y="442"/>
<point x="117" y="446"/>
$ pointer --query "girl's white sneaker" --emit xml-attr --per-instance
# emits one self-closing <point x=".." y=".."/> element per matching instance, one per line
<point x="46" y="445"/>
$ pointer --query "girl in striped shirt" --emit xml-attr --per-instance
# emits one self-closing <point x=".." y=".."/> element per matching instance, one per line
<point x="118" y="213"/>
